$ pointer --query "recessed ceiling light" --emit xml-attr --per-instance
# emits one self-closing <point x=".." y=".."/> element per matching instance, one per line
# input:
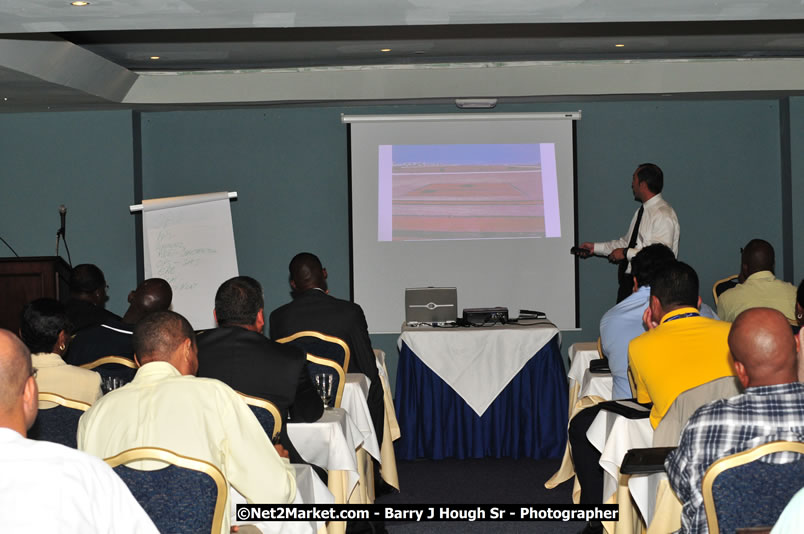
<point x="154" y="57"/>
<point x="619" y="45"/>
<point x="385" y="49"/>
<point x="79" y="3"/>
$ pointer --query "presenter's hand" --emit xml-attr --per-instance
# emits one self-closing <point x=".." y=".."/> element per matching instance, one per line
<point x="588" y="247"/>
<point x="617" y="255"/>
<point x="647" y="318"/>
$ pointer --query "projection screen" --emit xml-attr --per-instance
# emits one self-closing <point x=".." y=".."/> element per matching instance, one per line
<point x="484" y="202"/>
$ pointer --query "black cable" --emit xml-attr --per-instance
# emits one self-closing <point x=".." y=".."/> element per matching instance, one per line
<point x="10" y="247"/>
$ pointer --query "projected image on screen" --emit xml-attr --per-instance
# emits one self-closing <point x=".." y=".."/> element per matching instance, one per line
<point x="490" y="191"/>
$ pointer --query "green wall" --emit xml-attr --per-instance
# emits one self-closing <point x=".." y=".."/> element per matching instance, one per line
<point x="289" y="165"/>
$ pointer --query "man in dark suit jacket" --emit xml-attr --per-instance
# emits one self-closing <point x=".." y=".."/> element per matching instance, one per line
<point x="238" y="354"/>
<point x="313" y="308"/>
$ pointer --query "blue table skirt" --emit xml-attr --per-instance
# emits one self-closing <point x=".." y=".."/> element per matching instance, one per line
<point x="527" y="419"/>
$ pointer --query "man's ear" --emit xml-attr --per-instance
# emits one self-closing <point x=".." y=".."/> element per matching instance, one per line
<point x="215" y="315"/>
<point x="30" y="401"/>
<point x="292" y="285"/>
<point x="742" y="375"/>
<point x="699" y="302"/>
<point x="260" y="322"/>
<point x="636" y="285"/>
<point x="325" y="273"/>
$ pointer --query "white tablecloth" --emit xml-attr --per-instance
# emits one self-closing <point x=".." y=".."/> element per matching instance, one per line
<point x="331" y="442"/>
<point x="355" y="393"/>
<point x="461" y="356"/>
<point x="613" y="435"/>
<point x="597" y="384"/>
<point x="580" y="354"/>
<point x="309" y="490"/>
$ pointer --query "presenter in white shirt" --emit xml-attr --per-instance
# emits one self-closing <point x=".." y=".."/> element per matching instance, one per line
<point x="654" y="222"/>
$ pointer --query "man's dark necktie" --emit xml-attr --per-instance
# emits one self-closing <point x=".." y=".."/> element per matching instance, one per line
<point x="625" y="280"/>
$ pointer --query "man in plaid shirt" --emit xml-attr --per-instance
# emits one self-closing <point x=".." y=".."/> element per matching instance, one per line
<point x="772" y="407"/>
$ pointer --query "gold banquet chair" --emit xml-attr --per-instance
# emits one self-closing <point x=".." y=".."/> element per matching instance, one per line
<point x="321" y="345"/>
<point x="740" y="491"/>
<point x="722" y="285"/>
<point x="317" y="365"/>
<point x="187" y="496"/>
<point x="266" y="412"/>
<point x="113" y="367"/>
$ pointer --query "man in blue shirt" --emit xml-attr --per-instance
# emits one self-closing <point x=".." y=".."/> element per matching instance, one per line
<point x="623" y="322"/>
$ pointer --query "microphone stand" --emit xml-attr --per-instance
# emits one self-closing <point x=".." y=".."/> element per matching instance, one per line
<point x="60" y="235"/>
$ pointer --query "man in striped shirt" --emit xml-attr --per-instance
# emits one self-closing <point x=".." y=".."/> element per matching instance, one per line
<point x="771" y="408"/>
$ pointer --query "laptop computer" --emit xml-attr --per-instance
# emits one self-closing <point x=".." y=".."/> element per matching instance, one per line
<point x="431" y="305"/>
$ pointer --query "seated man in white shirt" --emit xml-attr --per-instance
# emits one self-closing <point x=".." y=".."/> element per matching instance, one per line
<point x="45" y="486"/>
<point x="167" y="406"/>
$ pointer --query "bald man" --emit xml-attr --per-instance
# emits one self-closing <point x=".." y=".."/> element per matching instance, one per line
<point x="167" y="406"/>
<point x="46" y="485"/>
<point x="113" y="338"/>
<point x="758" y="287"/>
<point x="772" y="408"/>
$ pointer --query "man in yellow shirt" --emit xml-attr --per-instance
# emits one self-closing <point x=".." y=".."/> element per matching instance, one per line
<point x="681" y="350"/>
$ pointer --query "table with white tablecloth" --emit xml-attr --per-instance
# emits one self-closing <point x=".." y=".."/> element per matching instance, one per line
<point x="309" y="490"/>
<point x="585" y="389"/>
<point x="475" y="392"/>
<point x="614" y="435"/>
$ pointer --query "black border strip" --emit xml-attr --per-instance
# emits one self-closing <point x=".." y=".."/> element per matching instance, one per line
<point x="136" y="137"/>
<point x="786" y="175"/>
<point x="349" y="193"/>
<point x="575" y="215"/>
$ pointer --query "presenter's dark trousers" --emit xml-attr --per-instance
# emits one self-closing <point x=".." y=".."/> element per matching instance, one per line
<point x="586" y="457"/>
<point x="625" y="282"/>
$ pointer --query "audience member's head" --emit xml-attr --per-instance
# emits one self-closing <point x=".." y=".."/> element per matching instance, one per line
<point x="153" y="295"/>
<point x="649" y="261"/>
<point x="44" y="326"/>
<point x="652" y="176"/>
<point x="239" y="302"/>
<point x="763" y="348"/>
<point x="306" y="273"/>
<point x="674" y="286"/>
<point x="168" y="337"/>
<point x="19" y="401"/>
<point x="800" y="303"/>
<point x="757" y="256"/>
<point x="88" y="283"/>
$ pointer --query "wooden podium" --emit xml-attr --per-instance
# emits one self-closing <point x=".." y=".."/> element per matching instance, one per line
<point x="25" y="279"/>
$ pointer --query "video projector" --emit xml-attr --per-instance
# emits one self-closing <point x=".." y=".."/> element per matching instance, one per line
<point x="485" y="316"/>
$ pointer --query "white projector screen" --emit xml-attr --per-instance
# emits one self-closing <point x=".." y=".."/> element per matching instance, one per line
<point x="481" y="202"/>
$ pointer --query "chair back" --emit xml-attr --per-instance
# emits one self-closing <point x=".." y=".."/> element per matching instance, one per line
<point x="110" y="367"/>
<point x="724" y="284"/>
<point x="186" y="497"/>
<point x="316" y="365"/>
<point x="741" y="491"/>
<point x="58" y="424"/>
<point x="267" y="414"/>
<point x="321" y="345"/>
<point x="668" y="431"/>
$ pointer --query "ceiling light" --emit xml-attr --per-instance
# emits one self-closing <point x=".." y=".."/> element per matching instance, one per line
<point x="385" y="49"/>
<point x="619" y="45"/>
<point x="79" y="3"/>
<point x="154" y="57"/>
